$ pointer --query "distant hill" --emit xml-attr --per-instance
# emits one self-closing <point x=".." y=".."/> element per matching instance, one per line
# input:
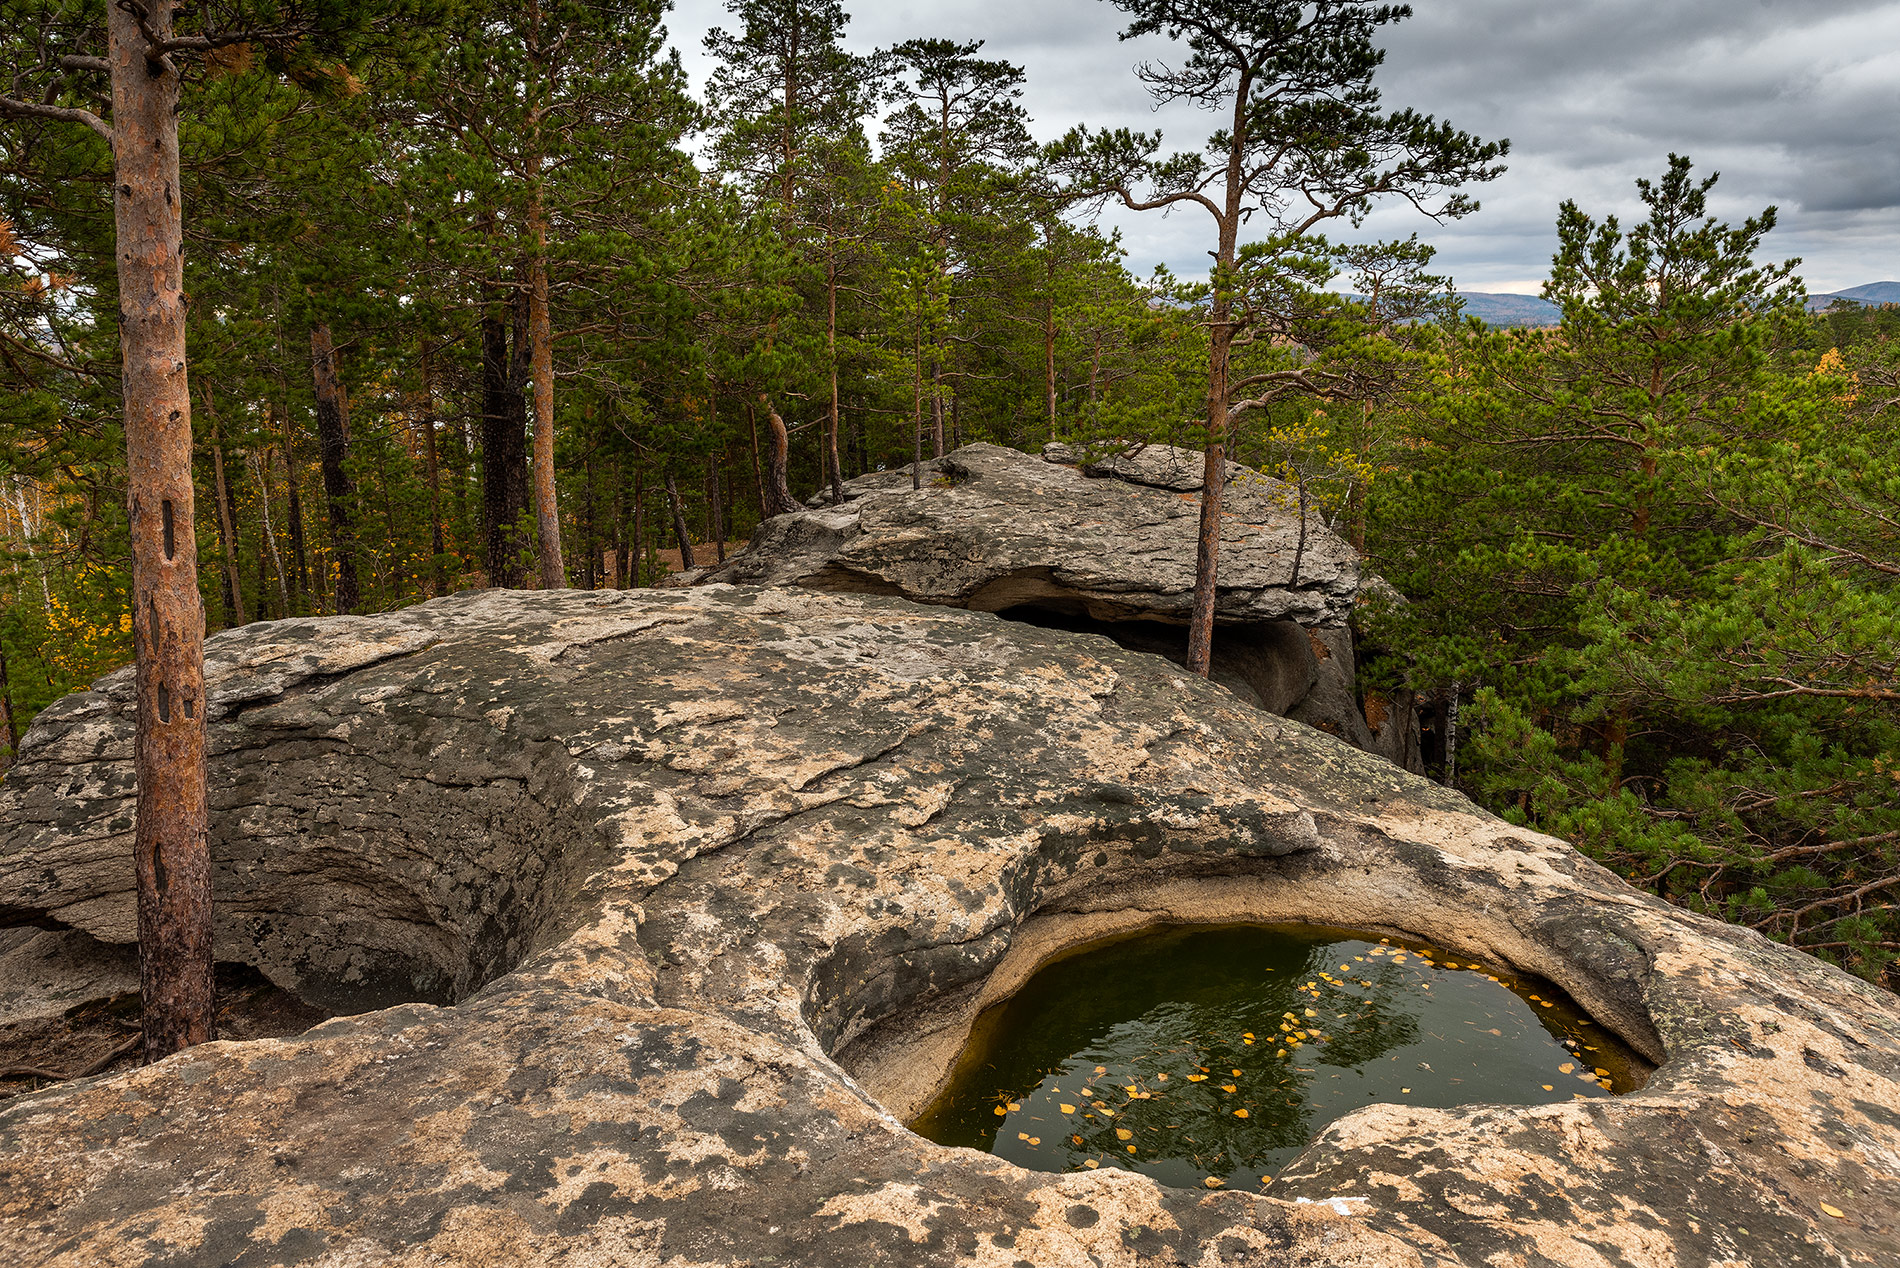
<point x="1872" y="293"/>
<point x="1509" y="310"/>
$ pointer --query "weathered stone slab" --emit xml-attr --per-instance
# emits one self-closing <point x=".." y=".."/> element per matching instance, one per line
<point x="1102" y="542"/>
<point x="994" y="529"/>
<point x="703" y="883"/>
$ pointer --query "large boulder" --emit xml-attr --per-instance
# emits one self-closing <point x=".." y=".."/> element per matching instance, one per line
<point x="692" y="895"/>
<point x="1099" y="542"/>
<point x="994" y="529"/>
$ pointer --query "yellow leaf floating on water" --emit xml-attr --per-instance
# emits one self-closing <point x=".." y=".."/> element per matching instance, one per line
<point x="1835" y="1211"/>
<point x="1240" y="1113"/>
<point x="1090" y="1163"/>
<point x="1197" y="1078"/>
<point x="1602" y="1073"/>
<point x="1067" y="1109"/>
<point x="1122" y="1133"/>
<point x="1405" y="1089"/>
<point x="1228" y="1087"/>
<point x="1548" y="1088"/>
<point x="1035" y="1140"/>
<point x="1213" y="1182"/>
<point x="1131" y="1149"/>
<point x="1000" y="1111"/>
<point x="1022" y="1135"/>
<point x="1163" y="1076"/>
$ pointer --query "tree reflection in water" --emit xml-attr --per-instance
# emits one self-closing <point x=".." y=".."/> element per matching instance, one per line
<point x="1200" y="1055"/>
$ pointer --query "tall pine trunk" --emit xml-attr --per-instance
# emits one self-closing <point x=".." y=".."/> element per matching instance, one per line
<point x="171" y="855"/>
<point x="831" y="358"/>
<point x="260" y="476"/>
<point x="637" y="552"/>
<point x="547" y="514"/>
<point x="1049" y="354"/>
<point x="679" y="521"/>
<point x="715" y="508"/>
<point x="1220" y="331"/>
<point x="917" y="412"/>
<point x="293" y="517"/>
<point x="432" y="467"/>
<point x="333" y="440"/>
<point x="504" y="453"/>
<point x="936" y="407"/>
<point x="227" y="522"/>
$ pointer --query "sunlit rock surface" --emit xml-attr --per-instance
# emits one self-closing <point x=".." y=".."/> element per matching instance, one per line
<point x="688" y="890"/>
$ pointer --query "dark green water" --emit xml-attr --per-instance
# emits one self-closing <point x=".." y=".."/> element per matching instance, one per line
<point x="1215" y="1054"/>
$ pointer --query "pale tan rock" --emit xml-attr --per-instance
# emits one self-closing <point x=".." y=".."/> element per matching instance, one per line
<point x="698" y="887"/>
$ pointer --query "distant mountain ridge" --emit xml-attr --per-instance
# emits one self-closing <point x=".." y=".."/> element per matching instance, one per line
<point x="1496" y="308"/>
<point x="1872" y="294"/>
<point x="1509" y="310"/>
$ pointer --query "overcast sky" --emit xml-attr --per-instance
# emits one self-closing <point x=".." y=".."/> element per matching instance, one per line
<point x="1795" y="102"/>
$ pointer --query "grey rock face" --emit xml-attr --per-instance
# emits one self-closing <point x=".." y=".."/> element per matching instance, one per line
<point x="1104" y="543"/>
<point x="995" y="529"/>
<point x="700" y="884"/>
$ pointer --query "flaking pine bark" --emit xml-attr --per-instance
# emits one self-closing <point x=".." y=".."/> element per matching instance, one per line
<point x="176" y="982"/>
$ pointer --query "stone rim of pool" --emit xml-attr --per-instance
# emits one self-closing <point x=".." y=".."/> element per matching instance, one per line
<point x="1168" y="1007"/>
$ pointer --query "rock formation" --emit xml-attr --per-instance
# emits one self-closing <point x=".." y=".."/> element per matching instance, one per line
<point x="1105" y="545"/>
<point x="671" y="903"/>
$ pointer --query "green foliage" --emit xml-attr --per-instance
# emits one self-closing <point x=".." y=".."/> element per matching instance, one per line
<point x="1656" y="550"/>
<point x="1663" y="538"/>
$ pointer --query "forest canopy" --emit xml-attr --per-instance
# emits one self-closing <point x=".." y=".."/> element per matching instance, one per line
<point x="485" y="295"/>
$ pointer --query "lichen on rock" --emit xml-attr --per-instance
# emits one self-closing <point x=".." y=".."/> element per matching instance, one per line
<point x="654" y="908"/>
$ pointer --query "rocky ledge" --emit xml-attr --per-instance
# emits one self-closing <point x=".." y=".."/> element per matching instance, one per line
<point x="661" y="901"/>
<point x="1103" y="543"/>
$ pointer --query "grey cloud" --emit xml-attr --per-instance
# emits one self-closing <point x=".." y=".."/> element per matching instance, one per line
<point x="1794" y="101"/>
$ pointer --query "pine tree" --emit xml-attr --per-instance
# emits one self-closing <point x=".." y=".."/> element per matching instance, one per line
<point x="1306" y="141"/>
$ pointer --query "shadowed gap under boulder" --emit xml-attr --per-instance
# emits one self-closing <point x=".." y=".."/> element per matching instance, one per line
<point x="1271" y="665"/>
